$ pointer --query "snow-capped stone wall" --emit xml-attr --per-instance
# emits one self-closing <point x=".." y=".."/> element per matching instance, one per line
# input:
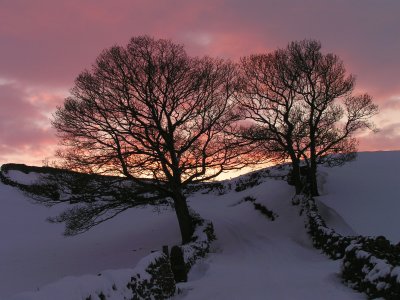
<point x="373" y="266"/>
<point x="323" y="237"/>
<point x="201" y="241"/>
<point x="152" y="278"/>
<point x="370" y="264"/>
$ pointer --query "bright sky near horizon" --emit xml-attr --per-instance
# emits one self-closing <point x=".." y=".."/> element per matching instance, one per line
<point x="45" y="44"/>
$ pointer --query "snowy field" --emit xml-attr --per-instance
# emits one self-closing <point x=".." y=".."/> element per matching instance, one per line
<point x="253" y="257"/>
<point x="366" y="193"/>
<point x="34" y="252"/>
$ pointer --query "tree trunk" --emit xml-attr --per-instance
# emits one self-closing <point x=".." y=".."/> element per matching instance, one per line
<point x="184" y="219"/>
<point x="296" y="177"/>
<point x="313" y="178"/>
<point x="313" y="185"/>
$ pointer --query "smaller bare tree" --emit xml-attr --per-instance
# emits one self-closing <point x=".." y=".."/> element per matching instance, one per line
<point x="269" y="101"/>
<point x="302" y="106"/>
<point x="332" y="113"/>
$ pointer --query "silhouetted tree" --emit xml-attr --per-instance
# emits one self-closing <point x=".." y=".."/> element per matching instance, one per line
<point x="302" y="104"/>
<point x="333" y="114"/>
<point x="149" y="111"/>
<point x="268" y="99"/>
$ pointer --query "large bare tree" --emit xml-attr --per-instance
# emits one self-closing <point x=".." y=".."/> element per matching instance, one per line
<point x="155" y="115"/>
<point x="303" y="108"/>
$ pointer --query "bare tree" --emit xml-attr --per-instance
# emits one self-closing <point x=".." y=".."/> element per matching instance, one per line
<point x="333" y="114"/>
<point x="302" y="106"/>
<point x="268" y="98"/>
<point x="149" y="110"/>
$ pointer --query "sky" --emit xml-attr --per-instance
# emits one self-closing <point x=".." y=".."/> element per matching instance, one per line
<point x="45" y="44"/>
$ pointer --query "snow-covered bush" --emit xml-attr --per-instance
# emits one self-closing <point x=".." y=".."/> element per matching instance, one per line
<point x="242" y="183"/>
<point x="255" y="178"/>
<point x="261" y="208"/>
<point x="218" y="188"/>
<point x="157" y="282"/>
<point x="248" y="181"/>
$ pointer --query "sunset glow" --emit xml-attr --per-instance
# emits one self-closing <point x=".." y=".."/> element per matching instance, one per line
<point x="46" y="44"/>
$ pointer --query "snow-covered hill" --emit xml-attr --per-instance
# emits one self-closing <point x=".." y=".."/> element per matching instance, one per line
<point x="34" y="252"/>
<point x="366" y="193"/>
<point x="253" y="257"/>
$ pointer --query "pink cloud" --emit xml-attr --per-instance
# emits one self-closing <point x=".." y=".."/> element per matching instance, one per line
<point x="24" y="126"/>
<point x="391" y="104"/>
<point x="387" y="138"/>
<point x="45" y="44"/>
<point x="52" y="42"/>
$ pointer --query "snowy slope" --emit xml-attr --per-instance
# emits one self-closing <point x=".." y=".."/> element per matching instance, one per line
<point x="253" y="258"/>
<point x="34" y="252"/>
<point x="256" y="258"/>
<point x="366" y="193"/>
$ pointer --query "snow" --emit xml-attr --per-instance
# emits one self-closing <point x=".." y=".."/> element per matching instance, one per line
<point x="111" y="283"/>
<point x="362" y="254"/>
<point x="79" y="287"/>
<point x="334" y="220"/>
<point x="396" y="272"/>
<point x="381" y="269"/>
<point x="252" y="258"/>
<point x="34" y="252"/>
<point x="255" y="258"/>
<point x="365" y="193"/>
<point x="21" y="177"/>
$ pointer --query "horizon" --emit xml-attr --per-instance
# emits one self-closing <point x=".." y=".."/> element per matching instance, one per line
<point x="227" y="175"/>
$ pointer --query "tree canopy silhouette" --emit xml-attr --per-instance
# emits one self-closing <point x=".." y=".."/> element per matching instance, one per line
<point x="150" y="111"/>
<point x="302" y="106"/>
